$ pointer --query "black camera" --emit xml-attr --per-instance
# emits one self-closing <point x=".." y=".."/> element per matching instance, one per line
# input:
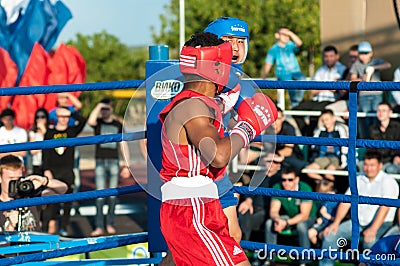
<point x="21" y="189"/>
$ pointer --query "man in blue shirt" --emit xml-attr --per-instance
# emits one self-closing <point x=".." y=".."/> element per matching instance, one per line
<point x="282" y="54"/>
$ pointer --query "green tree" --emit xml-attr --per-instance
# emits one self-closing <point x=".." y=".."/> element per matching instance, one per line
<point x="263" y="17"/>
<point x="107" y="59"/>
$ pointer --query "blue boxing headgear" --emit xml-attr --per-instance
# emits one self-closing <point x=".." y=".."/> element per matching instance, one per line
<point x="227" y="26"/>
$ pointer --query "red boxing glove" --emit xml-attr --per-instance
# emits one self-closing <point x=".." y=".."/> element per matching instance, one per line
<point x="228" y="99"/>
<point x="255" y="115"/>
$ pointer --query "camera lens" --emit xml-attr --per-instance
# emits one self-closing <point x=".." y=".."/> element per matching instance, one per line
<point x="26" y="187"/>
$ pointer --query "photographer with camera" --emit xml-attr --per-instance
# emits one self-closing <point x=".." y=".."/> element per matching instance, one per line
<point x="15" y="186"/>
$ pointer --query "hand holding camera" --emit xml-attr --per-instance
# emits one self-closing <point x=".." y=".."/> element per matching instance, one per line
<point x="29" y="186"/>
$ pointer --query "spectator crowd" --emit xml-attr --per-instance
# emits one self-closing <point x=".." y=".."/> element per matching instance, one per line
<point x="56" y="170"/>
<point x="298" y="167"/>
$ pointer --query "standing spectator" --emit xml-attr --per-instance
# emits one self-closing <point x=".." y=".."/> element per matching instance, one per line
<point x="58" y="163"/>
<point x="252" y="210"/>
<point x="328" y="157"/>
<point x="11" y="169"/>
<point x="37" y="132"/>
<point x="107" y="163"/>
<point x="374" y="220"/>
<point x="290" y="213"/>
<point x="282" y="54"/>
<point x="367" y="68"/>
<point x="68" y="100"/>
<point x="386" y="129"/>
<point x="332" y="70"/>
<point x="72" y="103"/>
<point x="10" y="133"/>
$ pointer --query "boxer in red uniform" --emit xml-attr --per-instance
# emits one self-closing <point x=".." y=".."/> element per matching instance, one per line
<point x="196" y="153"/>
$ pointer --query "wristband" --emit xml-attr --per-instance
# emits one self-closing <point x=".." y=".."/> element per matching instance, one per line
<point x="287" y="224"/>
<point x="245" y="131"/>
<point x="47" y="181"/>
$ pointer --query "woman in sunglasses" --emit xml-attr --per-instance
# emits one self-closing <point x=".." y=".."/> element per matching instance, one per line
<point x="36" y="133"/>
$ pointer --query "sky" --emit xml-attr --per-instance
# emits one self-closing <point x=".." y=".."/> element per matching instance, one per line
<point x="128" y="20"/>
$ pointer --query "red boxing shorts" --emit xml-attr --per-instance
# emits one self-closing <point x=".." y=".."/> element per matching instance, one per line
<point x="196" y="231"/>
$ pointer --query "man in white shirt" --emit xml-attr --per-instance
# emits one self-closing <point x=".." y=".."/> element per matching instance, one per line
<point x="10" y="133"/>
<point x="374" y="220"/>
<point x="332" y="70"/>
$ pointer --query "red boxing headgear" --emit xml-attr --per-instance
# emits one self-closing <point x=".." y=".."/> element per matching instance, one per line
<point x="210" y="62"/>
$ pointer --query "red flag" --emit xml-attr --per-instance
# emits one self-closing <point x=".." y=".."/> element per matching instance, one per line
<point x="58" y="75"/>
<point x="36" y="74"/>
<point x="67" y="66"/>
<point x="58" y="67"/>
<point x="8" y="76"/>
<point x="76" y="68"/>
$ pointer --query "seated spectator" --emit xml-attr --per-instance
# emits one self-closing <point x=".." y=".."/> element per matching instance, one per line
<point x="393" y="167"/>
<point x="374" y="220"/>
<point x="332" y="70"/>
<point x="396" y="94"/>
<point x="367" y="68"/>
<point x="327" y="211"/>
<point x="386" y="129"/>
<point x="252" y="210"/>
<point x="292" y="153"/>
<point x="352" y="58"/>
<point x="395" y="229"/>
<point x="328" y="157"/>
<point x="290" y="213"/>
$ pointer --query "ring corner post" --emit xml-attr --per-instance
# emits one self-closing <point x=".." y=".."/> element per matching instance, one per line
<point x="158" y="61"/>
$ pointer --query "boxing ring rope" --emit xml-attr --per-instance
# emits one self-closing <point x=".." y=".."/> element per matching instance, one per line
<point x="352" y="142"/>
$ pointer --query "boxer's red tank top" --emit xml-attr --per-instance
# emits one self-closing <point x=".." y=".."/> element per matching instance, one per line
<point x="185" y="160"/>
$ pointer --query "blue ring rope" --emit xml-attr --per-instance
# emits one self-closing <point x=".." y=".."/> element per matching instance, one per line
<point x="79" y="141"/>
<point x="112" y="85"/>
<point x="351" y="142"/>
<point x="290" y="85"/>
<point x="244" y="190"/>
<point x="113" y="242"/>
<point x="19" y="203"/>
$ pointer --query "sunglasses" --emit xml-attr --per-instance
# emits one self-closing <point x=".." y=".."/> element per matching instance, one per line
<point x="273" y="161"/>
<point x="40" y="117"/>
<point x="105" y="109"/>
<point x="327" y="182"/>
<point x="287" y="179"/>
<point x="63" y="116"/>
<point x="363" y="52"/>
